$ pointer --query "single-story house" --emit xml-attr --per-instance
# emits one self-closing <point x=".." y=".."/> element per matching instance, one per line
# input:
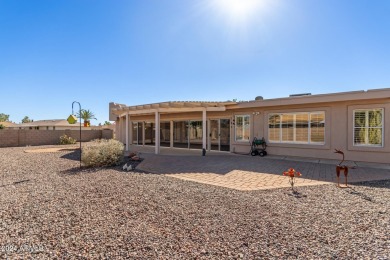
<point x="306" y="125"/>
<point x="51" y="124"/>
<point x="7" y="124"/>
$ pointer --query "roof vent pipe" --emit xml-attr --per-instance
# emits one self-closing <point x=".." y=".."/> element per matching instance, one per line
<point x="300" y="95"/>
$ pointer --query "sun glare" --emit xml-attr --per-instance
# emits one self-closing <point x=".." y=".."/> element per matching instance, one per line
<point x="238" y="10"/>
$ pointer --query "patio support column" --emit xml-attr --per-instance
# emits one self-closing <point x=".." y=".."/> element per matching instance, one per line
<point x="117" y="127"/>
<point x="143" y="133"/>
<point x="204" y="131"/>
<point x="123" y="129"/>
<point x="208" y="136"/>
<point x="130" y="131"/>
<point x="157" y="132"/>
<point x="120" y="130"/>
<point x="171" y="134"/>
<point x="127" y="131"/>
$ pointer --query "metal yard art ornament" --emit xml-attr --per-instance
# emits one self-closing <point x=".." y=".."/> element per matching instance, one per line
<point x="72" y="119"/>
<point x="292" y="173"/>
<point x="340" y="167"/>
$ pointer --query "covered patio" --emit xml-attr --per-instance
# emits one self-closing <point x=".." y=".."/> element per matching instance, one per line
<point x="192" y="125"/>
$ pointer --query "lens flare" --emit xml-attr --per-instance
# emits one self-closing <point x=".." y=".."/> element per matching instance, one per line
<point x="238" y="10"/>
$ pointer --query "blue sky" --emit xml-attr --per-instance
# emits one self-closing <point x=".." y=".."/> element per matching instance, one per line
<point x="137" y="52"/>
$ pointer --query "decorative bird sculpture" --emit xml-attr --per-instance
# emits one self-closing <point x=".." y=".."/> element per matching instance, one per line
<point x="130" y="168"/>
<point x="340" y="167"/>
<point x="125" y="167"/>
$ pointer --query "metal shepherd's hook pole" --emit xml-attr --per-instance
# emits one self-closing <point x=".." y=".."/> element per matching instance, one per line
<point x="80" y="124"/>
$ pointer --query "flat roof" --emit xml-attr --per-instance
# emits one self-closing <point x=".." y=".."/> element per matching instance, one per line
<point x="187" y="106"/>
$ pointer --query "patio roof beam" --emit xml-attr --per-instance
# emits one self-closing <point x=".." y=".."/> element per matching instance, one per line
<point x="172" y="110"/>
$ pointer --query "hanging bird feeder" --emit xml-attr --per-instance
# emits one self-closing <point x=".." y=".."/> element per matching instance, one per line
<point x="72" y="119"/>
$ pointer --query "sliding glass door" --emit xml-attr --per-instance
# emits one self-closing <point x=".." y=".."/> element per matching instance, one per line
<point x="165" y="134"/>
<point x="219" y="136"/>
<point x="224" y="135"/>
<point x="195" y="134"/>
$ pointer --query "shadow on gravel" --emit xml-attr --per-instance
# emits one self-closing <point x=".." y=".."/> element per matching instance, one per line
<point x="119" y="168"/>
<point x="297" y="194"/>
<point x="78" y="170"/>
<point x="74" y="155"/>
<point x="15" y="183"/>
<point x="352" y="191"/>
<point x="374" y="184"/>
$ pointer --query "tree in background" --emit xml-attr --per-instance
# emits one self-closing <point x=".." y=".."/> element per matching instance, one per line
<point x="86" y="115"/>
<point x="4" y="117"/>
<point x="26" y="119"/>
<point x="107" y="123"/>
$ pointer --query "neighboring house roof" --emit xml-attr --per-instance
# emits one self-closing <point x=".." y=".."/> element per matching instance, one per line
<point x="8" y="124"/>
<point x="60" y="123"/>
<point x="52" y="122"/>
<point x="49" y="123"/>
<point x="112" y="127"/>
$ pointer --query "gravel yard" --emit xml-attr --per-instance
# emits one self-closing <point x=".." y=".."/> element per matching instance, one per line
<point x="50" y="209"/>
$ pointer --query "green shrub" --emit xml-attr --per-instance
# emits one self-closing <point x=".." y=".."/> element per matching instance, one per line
<point x="67" y="140"/>
<point x="102" y="153"/>
<point x="2" y="126"/>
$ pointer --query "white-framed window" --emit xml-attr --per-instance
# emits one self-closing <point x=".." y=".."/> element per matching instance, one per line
<point x="368" y="127"/>
<point x="242" y="128"/>
<point x="299" y="127"/>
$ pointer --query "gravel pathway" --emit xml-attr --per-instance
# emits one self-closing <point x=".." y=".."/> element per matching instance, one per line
<point x="49" y="209"/>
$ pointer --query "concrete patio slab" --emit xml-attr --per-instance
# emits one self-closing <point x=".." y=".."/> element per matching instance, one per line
<point x="243" y="172"/>
<point x="302" y="159"/>
<point x="373" y="165"/>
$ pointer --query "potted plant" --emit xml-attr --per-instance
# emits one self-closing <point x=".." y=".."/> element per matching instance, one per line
<point x="86" y="115"/>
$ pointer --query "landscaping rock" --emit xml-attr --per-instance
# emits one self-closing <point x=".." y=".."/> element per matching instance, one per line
<point x="52" y="209"/>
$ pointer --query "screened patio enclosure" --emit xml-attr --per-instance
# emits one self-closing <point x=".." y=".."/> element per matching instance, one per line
<point x="185" y="134"/>
<point x="171" y="132"/>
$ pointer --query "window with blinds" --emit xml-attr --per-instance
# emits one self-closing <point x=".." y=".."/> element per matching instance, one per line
<point x="368" y="127"/>
<point x="301" y="127"/>
<point x="242" y="128"/>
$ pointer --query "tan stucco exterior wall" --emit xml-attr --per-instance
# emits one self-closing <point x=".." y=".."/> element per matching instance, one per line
<point x="338" y="132"/>
<point x="338" y="125"/>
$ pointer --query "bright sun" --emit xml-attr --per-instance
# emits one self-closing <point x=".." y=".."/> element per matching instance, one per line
<point x="238" y="10"/>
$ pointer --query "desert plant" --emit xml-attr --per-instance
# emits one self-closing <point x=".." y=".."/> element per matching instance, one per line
<point x="86" y="115"/>
<point x="64" y="139"/>
<point x="102" y="153"/>
<point x="2" y="126"/>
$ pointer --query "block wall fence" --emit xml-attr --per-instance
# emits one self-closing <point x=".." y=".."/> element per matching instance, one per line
<point x="21" y="137"/>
